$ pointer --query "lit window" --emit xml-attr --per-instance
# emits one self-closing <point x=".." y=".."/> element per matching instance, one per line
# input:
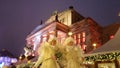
<point x="61" y="36"/>
<point x="83" y="47"/>
<point x="51" y="32"/>
<point x="83" y="34"/>
<point x="75" y="41"/>
<point x="79" y="35"/>
<point x="44" y="38"/>
<point x="79" y="41"/>
<point x="83" y="39"/>
<point x="74" y="36"/>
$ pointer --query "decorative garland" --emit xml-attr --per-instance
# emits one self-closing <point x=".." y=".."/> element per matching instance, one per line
<point x="103" y="57"/>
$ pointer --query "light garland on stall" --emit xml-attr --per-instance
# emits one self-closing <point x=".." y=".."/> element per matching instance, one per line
<point x="103" y="57"/>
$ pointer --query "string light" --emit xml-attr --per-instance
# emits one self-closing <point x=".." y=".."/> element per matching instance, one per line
<point x="103" y="57"/>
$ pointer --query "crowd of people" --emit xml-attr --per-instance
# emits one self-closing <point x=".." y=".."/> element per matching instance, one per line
<point x="55" y="55"/>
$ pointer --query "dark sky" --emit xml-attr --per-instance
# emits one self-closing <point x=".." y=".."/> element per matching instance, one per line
<point x="19" y="17"/>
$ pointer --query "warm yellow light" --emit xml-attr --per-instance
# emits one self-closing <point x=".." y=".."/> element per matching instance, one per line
<point x="70" y="33"/>
<point x="29" y="61"/>
<point x="83" y="34"/>
<point x="26" y="55"/>
<point x="51" y="32"/>
<point x="94" y="44"/>
<point x="20" y="57"/>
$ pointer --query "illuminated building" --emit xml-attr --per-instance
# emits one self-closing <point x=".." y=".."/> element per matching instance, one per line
<point x="46" y="31"/>
<point x="85" y="31"/>
<point x="6" y="58"/>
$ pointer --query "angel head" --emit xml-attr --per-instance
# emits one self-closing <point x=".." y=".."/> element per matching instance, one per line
<point x="69" y="41"/>
<point x="52" y="41"/>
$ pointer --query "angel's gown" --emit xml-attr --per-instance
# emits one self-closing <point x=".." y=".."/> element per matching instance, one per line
<point x="47" y="57"/>
<point x="73" y="57"/>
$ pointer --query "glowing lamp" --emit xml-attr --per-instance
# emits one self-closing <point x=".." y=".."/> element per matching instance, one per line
<point x="20" y="57"/>
<point x="94" y="45"/>
<point x="70" y="33"/>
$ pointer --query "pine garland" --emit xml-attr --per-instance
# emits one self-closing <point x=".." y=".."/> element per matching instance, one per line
<point x="103" y="57"/>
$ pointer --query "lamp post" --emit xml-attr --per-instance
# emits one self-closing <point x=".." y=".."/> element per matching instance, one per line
<point x="94" y="45"/>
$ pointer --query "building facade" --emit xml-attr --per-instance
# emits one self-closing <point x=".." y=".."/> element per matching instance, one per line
<point x="85" y="31"/>
<point x="43" y="33"/>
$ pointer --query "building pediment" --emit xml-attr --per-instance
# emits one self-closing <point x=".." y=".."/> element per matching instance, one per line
<point x="41" y="29"/>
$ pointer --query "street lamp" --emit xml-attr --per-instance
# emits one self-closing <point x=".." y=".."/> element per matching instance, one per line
<point x="70" y="33"/>
<point x="94" y="45"/>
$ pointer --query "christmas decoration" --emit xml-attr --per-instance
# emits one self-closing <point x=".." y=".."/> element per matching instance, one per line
<point x="103" y="57"/>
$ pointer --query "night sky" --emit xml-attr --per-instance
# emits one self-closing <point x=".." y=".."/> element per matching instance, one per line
<point x="19" y="17"/>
